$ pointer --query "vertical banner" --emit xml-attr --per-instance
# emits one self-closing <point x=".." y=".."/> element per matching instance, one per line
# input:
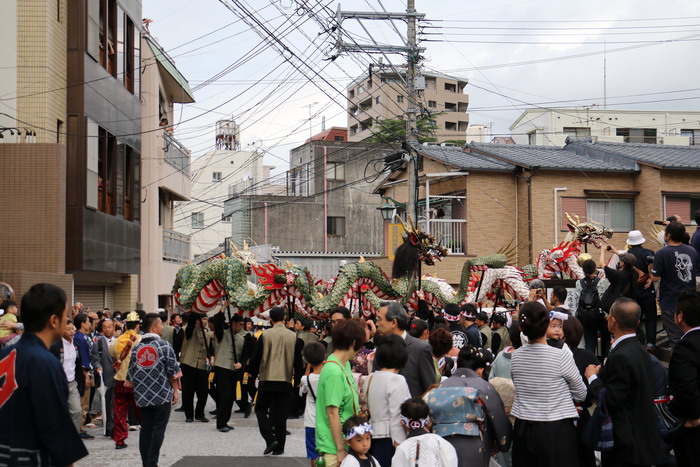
<point x="394" y="239"/>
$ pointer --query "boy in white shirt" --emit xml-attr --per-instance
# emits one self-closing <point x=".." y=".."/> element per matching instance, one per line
<point x="421" y="448"/>
<point x="314" y="354"/>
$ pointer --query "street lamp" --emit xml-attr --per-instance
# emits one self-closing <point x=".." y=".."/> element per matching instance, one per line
<point x="387" y="210"/>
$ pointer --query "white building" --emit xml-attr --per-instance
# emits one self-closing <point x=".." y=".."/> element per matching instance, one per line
<point x="551" y="127"/>
<point x="203" y="216"/>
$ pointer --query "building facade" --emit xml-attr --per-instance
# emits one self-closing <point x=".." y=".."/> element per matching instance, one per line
<point x="76" y="92"/>
<point x="202" y="218"/>
<point x="497" y="195"/>
<point x="323" y="204"/>
<point x="551" y="127"/>
<point x="383" y="96"/>
<point x="165" y="177"/>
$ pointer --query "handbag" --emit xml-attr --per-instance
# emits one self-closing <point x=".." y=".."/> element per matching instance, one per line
<point x="598" y="432"/>
<point x="668" y="423"/>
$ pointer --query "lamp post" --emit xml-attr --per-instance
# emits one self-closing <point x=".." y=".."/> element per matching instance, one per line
<point x="387" y="210"/>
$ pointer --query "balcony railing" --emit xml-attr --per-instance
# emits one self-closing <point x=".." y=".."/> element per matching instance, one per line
<point x="448" y="231"/>
<point x="175" y="153"/>
<point x="641" y="139"/>
<point x="284" y="184"/>
<point x="176" y="246"/>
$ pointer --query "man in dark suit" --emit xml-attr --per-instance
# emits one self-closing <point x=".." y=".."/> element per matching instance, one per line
<point x="419" y="370"/>
<point x="628" y="380"/>
<point x="103" y="362"/>
<point x="684" y="380"/>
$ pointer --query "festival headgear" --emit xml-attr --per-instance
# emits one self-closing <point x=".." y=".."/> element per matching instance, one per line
<point x="133" y="317"/>
<point x="469" y="315"/>
<point x="583" y="257"/>
<point x="414" y="424"/>
<point x="358" y="430"/>
<point x="558" y="315"/>
<point x="450" y="317"/>
<point x="635" y="237"/>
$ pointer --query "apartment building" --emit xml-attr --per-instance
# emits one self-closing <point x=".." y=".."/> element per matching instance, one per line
<point x="74" y="194"/>
<point x="487" y="196"/>
<point x="202" y="218"/>
<point x="551" y="127"/>
<point x="165" y="176"/>
<point x="382" y="96"/>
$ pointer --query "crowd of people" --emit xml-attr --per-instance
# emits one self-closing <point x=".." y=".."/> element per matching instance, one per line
<point x="560" y="379"/>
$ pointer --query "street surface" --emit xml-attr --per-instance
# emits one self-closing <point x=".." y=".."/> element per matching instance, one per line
<point x="201" y="444"/>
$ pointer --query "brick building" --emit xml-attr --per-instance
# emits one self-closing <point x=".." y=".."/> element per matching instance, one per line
<point x="520" y="194"/>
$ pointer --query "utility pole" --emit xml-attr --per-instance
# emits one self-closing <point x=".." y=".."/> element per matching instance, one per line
<point x="411" y="112"/>
<point x="412" y="51"/>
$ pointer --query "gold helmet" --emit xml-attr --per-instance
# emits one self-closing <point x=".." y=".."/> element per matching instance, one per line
<point x="583" y="257"/>
<point x="133" y="317"/>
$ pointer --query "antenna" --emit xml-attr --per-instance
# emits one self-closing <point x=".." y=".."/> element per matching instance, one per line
<point x="605" y="74"/>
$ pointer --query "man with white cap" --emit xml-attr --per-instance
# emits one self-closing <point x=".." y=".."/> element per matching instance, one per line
<point x="644" y="292"/>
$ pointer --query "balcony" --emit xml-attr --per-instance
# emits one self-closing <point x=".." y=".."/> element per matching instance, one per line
<point x="176" y="154"/>
<point x="176" y="246"/>
<point x="448" y="231"/>
<point x="278" y="185"/>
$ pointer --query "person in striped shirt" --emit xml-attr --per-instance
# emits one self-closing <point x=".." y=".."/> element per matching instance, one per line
<point x="546" y="384"/>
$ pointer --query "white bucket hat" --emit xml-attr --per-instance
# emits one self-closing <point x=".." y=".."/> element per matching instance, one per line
<point x="635" y="237"/>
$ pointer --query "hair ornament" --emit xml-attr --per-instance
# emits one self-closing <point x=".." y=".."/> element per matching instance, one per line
<point x="358" y="430"/>
<point x="414" y="424"/>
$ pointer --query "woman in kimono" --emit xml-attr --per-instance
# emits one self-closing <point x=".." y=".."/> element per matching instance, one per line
<point x="468" y="412"/>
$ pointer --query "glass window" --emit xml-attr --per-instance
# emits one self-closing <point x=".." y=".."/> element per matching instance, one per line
<point x="335" y="225"/>
<point x="120" y="44"/>
<point x="615" y="214"/>
<point x="432" y="104"/>
<point x="335" y="171"/>
<point x="399" y="99"/>
<point x="216" y="177"/>
<point x="197" y="220"/>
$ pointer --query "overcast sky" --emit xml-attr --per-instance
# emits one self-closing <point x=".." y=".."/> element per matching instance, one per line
<point x="271" y="96"/>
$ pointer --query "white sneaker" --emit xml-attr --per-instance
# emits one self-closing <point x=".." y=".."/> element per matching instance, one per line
<point x="134" y="427"/>
<point x="90" y="425"/>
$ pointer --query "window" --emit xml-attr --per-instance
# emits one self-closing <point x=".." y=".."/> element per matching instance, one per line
<point x="450" y="87"/>
<point x="351" y="94"/>
<point x="353" y="130"/>
<point x="376" y="99"/>
<point x="106" y="186"/>
<point x="338" y="138"/>
<point x="430" y="83"/>
<point x="120" y="44"/>
<point x="335" y="171"/>
<point x="197" y="220"/>
<point x="226" y="219"/>
<point x="450" y="107"/>
<point x="577" y="131"/>
<point x="684" y="206"/>
<point x="615" y="214"/>
<point x="692" y="135"/>
<point x="432" y="104"/>
<point x="216" y="177"/>
<point x="335" y="225"/>
<point x="450" y="126"/>
<point x="399" y="99"/>
<point x="360" y="90"/>
<point x="532" y="138"/>
<point x="59" y="130"/>
<point x="637" y="135"/>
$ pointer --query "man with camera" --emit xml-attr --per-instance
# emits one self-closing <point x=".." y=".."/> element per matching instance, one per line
<point x="644" y="292"/>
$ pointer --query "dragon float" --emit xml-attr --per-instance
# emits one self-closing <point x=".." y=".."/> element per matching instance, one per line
<point x="200" y="288"/>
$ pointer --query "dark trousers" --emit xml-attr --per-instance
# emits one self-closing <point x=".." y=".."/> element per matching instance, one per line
<point x="648" y="306"/>
<point x="226" y="382"/>
<point x="154" y="420"/>
<point x="686" y="446"/>
<point x="194" y="381"/>
<point x="108" y="410"/>
<point x="592" y="325"/>
<point x="272" y="409"/>
<point x="383" y="450"/>
<point x="608" y="459"/>
<point x="213" y="387"/>
<point x="545" y="444"/>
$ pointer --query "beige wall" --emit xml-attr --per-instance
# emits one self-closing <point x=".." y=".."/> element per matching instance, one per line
<point x="41" y="72"/>
<point x="34" y="214"/>
<point x="157" y="276"/>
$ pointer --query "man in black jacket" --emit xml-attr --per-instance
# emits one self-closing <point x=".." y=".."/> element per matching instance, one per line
<point x="684" y="379"/>
<point x="628" y="381"/>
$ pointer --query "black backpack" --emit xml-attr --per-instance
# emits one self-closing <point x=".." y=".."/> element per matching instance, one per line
<point x="589" y="300"/>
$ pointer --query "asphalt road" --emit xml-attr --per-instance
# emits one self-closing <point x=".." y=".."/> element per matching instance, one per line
<point x="200" y="444"/>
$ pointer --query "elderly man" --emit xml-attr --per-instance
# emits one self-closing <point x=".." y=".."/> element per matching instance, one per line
<point x="419" y="370"/>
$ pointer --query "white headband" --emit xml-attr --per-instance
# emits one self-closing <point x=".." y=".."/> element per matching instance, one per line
<point x="414" y="424"/>
<point x="450" y="317"/>
<point x="558" y="315"/>
<point x="358" y="430"/>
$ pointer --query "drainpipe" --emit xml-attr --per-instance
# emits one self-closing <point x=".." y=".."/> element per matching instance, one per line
<point x="556" y="216"/>
<point x="427" y="205"/>
<point x="528" y="179"/>
<point x="265" y="228"/>
<point x="517" y="222"/>
<point x="325" y="199"/>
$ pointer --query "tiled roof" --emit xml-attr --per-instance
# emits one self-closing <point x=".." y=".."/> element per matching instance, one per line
<point x="552" y="158"/>
<point x="458" y="158"/>
<point x="665" y="156"/>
